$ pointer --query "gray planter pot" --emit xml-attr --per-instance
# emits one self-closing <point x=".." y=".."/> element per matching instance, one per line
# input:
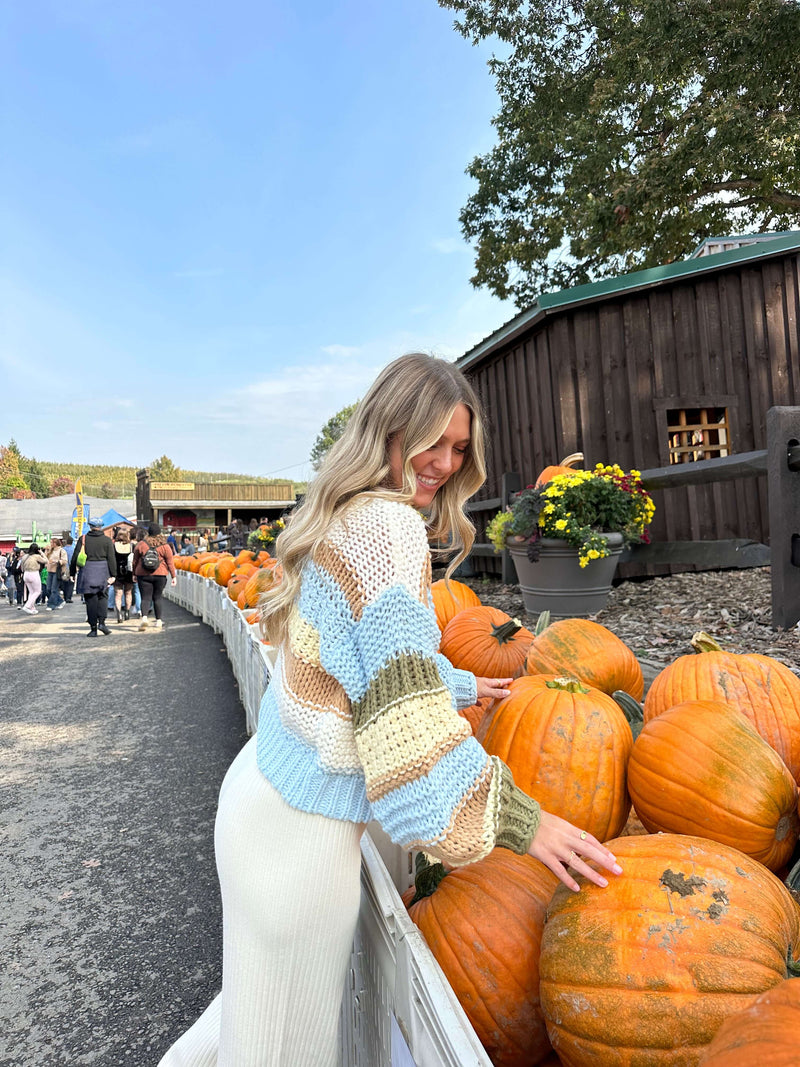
<point x="558" y="584"/>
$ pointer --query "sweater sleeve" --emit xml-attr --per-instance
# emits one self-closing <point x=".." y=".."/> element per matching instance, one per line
<point x="430" y="784"/>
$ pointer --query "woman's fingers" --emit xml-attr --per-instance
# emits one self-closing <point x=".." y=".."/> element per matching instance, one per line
<point x="561" y="846"/>
<point x="496" y="688"/>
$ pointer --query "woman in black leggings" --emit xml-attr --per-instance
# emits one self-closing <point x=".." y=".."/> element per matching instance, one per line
<point x="152" y="565"/>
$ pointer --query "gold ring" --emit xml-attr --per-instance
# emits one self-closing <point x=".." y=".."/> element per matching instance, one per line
<point x="583" y="835"/>
<point x="573" y="855"/>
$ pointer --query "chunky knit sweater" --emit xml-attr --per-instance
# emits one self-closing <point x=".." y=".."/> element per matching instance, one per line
<point x="359" y="721"/>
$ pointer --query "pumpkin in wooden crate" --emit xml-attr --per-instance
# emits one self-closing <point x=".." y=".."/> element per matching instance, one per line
<point x="568" y="746"/>
<point x="451" y="597"/>
<point x="762" y="688"/>
<point x="766" y="1034"/>
<point x="223" y="569"/>
<point x="588" y="651"/>
<point x="483" y="923"/>
<point x="701" y="768"/>
<point x="646" y="970"/>
<point x="258" y="583"/>
<point x="568" y="465"/>
<point x="235" y="587"/>
<point x="487" y="642"/>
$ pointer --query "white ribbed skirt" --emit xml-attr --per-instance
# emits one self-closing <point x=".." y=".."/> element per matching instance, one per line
<point x="290" y="897"/>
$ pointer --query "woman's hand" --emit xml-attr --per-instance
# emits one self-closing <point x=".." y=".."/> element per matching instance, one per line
<point x="493" y="687"/>
<point x="173" y="581"/>
<point x="559" y="845"/>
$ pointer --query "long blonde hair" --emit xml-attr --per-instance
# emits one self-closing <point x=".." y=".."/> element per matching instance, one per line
<point x="412" y="400"/>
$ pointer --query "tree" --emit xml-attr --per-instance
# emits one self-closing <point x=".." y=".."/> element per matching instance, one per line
<point x="62" y="485"/>
<point x="164" y="470"/>
<point x="628" y="131"/>
<point x="330" y="433"/>
<point x="35" y="477"/>
<point x="10" y="475"/>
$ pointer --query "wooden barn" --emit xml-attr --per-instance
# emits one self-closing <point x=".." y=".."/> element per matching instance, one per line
<point x="663" y="366"/>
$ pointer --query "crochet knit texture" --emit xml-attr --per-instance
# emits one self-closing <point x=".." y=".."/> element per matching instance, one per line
<point x="359" y="721"/>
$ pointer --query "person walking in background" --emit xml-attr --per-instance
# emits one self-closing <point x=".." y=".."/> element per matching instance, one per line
<point x="123" y="586"/>
<point x="56" y="562"/>
<point x="152" y="565"/>
<point x="359" y="722"/>
<point x="33" y="563"/>
<point x="19" y="577"/>
<point x="66" y="579"/>
<point x="172" y="542"/>
<point x="99" y="571"/>
<point x="13" y="578"/>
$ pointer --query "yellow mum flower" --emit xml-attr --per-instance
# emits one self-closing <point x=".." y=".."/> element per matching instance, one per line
<point x="561" y="524"/>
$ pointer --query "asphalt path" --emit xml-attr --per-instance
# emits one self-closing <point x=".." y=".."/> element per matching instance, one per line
<point x="112" y="751"/>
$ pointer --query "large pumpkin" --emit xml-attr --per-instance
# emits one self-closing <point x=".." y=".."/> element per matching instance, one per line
<point x="646" y="970"/>
<point x="223" y="569"/>
<point x="701" y="768"/>
<point x="568" y="746"/>
<point x="451" y="597"/>
<point x="587" y="651"/>
<point x="487" y="642"/>
<point x="483" y="923"/>
<point x="257" y="584"/>
<point x="566" y="466"/>
<point x="476" y="713"/>
<point x="767" y="1033"/>
<point x="762" y="688"/>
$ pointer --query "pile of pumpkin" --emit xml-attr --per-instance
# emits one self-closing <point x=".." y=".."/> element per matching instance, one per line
<point x="686" y="958"/>
<point x="244" y="576"/>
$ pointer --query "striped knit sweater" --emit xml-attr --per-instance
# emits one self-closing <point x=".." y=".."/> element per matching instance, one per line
<point x="359" y="721"/>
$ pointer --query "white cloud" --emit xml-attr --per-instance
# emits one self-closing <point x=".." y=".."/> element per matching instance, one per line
<point x="343" y="351"/>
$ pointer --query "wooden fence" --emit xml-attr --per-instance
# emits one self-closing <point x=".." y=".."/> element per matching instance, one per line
<point x="780" y="461"/>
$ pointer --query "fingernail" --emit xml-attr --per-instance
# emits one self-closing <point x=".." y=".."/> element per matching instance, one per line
<point x="616" y="869"/>
<point x="603" y="882"/>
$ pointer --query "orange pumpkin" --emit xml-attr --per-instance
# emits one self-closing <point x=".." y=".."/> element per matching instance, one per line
<point x="257" y="584"/>
<point x="487" y="642"/>
<point x="701" y="768"/>
<point x="568" y="746"/>
<point x="223" y="569"/>
<point x="645" y="970"/>
<point x="566" y="466"/>
<point x="235" y="587"/>
<point x="447" y="602"/>
<point x="483" y="923"/>
<point x="762" y="688"/>
<point x="588" y="651"/>
<point x="766" y="1033"/>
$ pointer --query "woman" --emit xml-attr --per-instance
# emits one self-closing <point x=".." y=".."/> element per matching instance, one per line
<point x="123" y="586"/>
<point x="98" y="572"/>
<point x="359" y="722"/>
<point x="152" y="580"/>
<point x="33" y="563"/>
<point x="13" y="578"/>
<point x="57" y="562"/>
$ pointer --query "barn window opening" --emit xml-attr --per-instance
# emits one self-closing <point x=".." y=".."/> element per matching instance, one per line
<point x="697" y="433"/>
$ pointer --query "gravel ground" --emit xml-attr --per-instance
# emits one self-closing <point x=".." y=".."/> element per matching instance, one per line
<point x="657" y="617"/>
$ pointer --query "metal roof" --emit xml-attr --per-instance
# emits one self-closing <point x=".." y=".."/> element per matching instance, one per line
<point x="548" y="303"/>
<point x="54" y="514"/>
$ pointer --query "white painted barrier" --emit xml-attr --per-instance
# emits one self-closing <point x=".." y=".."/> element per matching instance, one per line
<point x="398" y="1010"/>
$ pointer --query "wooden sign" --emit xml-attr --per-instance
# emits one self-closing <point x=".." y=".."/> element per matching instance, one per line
<point x="181" y="487"/>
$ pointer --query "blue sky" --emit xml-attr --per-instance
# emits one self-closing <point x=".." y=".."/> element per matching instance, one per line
<point x="219" y="221"/>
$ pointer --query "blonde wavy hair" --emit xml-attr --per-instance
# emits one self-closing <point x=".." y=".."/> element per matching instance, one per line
<point x="412" y="400"/>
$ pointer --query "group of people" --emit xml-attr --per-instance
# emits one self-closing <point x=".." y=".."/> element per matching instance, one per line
<point x="125" y="573"/>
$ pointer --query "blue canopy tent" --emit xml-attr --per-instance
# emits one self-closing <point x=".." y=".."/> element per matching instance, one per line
<point x="113" y="518"/>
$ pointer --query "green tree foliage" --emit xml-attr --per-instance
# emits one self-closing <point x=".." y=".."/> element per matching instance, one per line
<point x="329" y="434"/>
<point x="37" y="481"/>
<point x="628" y="131"/>
<point x="164" y="470"/>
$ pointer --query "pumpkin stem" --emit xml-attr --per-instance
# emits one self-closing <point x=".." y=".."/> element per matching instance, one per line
<point x="506" y="630"/>
<point x="632" y="710"/>
<point x="793" y="878"/>
<point x="570" y="461"/>
<point x="427" y="878"/>
<point x="703" y="642"/>
<point x="542" y="623"/>
<point x="567" y="685"/>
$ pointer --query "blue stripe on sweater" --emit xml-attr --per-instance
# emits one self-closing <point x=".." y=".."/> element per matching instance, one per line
<point x="422" y="810"/>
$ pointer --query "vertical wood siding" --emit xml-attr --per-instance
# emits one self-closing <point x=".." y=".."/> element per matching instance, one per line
<point x="599" y="377"/>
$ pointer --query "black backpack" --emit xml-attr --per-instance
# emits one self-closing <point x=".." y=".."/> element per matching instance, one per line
<point x="151" y="559"/>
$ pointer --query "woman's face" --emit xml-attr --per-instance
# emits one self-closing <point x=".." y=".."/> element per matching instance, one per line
<point x="436" y="464"/>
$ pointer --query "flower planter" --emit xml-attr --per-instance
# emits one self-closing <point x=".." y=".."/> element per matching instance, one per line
<point x="558" y="584"/>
